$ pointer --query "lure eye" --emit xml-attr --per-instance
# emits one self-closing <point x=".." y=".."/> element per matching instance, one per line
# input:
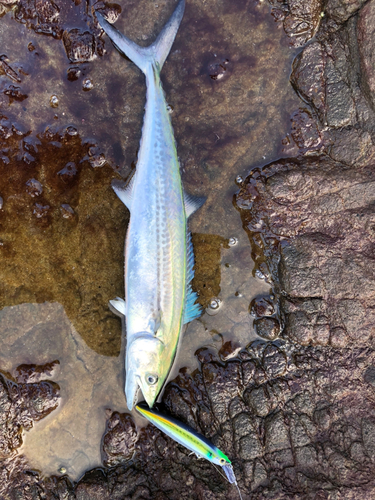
<point x="222" y="461"/>
<point x="151" y="379"/>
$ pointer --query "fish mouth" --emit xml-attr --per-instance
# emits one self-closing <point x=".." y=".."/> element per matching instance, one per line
<point x="150" y="400"/>
<point x="132" y="387"/>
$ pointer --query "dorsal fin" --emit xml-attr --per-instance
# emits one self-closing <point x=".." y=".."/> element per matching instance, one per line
<point x="124" y="190"/>
<point x="193" y="203"/>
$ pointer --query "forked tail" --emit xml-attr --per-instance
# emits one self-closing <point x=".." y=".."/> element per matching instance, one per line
<point x="155" y="53"/>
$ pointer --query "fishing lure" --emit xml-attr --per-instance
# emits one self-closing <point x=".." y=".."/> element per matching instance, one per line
<point x="191" y="439"/>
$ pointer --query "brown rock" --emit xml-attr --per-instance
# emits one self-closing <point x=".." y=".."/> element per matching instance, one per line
<point x="79" y="45"/>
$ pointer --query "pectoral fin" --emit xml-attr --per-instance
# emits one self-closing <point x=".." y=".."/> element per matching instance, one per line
<point x="193" y="203"/>
<point x="124" y="191"/>
<point x="118" y="306"/>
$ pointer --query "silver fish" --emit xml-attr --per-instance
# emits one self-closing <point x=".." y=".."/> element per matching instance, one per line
<point x="159" y="255"/>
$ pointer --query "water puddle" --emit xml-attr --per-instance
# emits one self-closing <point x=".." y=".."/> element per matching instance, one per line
<point x="62" y="227"/>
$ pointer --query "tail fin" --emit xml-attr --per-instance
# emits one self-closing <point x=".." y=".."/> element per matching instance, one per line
<point x="157" y="52"/>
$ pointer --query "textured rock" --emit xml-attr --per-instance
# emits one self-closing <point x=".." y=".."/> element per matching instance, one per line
<point x="366" y="40"/>
<point x="23" y="403"/>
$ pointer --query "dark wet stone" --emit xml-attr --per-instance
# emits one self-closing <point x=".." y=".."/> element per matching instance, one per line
<point x="217" y="69"/>
<point x="40" y="210"/>
<point x="366" y="41"/>
<point x="249" y="447"/>
<point x="23" y="403"/>
<point x="47" y="11"/>
<point x="229" y="350"/>
<point x="66" y="211"/>
<point x="96" y="156"/>
<point x="111" y="11"/>
<point x="73" y="74"/>
<point x="79" y="45"/>
<point x="261" y="306"/>
<point x="120" y="438"/>
<point x="369" y="375"/>
<point x="268" y="328"/>
<point x="34" y="188"/>
<point x="69" y="170"/>
<point x="341" y="10"/>
<point x="302" y="20"/>
<point x="14" y="93"/>
<point x="28" y="374"/>
<point x="6" y="69"/>
<point x="368" y="435"/>
<point x="274" y="361"/>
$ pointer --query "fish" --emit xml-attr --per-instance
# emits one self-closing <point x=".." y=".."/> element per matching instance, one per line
<point x="159" y="256"/>
<point x="192" y="440"/>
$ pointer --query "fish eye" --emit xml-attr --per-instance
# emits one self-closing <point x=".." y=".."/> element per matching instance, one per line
<point x="151" y="379"/>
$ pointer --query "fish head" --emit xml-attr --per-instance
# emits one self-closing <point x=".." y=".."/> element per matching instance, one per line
<point x="144" y="369"/>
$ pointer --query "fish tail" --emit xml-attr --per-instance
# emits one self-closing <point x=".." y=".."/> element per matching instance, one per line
<point x="155" y="53"/>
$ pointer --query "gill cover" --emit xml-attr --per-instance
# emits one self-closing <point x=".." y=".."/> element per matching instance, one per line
<point x="143" y="369"/>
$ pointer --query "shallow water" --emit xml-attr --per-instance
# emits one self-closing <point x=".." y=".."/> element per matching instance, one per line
<point x="227" y="80"/>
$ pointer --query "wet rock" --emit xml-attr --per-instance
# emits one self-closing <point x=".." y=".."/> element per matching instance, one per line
<point x="302" y="21"/>
<point x="79" y="45"/>
<point x="258" y="401"/>
<point x="120" y="438"/>
<point x="291" y="431"/>
<point x="274" y="361"/>
<point x="23" y="403"/>
<point x="14" y="93"/>
<point x="87" y="85"/>
<point x="305" y="132"/>
<point x="47" y="11"/>
<point x="268" y="328"/>
<point x="368" y="435"/>
<point x="34" y="188"/>
<point x="28" y="374"/>
<point x="276" y="433"/>
<point x="73" y="74"/>
<point x="249" y="447"/>
<point x="261" y="306"/>
<point x="341" y="10"/>
<point x="366" y="40"/>
<point x="229" y="350"/>
<point x="69" y="170"/>
<point x="369" y="376"/>
<point x="217" y="69"/>
<point x="111" y="11"/>
<point x="40" y="210"/>
<point x="96" y="156"/>
<point x="66" y="211"/>
<point x="6" y="69"/>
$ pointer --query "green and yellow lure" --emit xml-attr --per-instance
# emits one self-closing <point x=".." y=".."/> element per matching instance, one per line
<point x="189" y="438"/>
